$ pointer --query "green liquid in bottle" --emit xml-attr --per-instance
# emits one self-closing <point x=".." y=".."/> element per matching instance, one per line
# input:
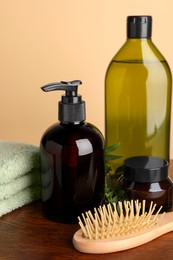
<point x="138" y="101"/>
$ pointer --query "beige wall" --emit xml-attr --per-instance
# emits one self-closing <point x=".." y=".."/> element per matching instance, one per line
<point x="42" y="41"/>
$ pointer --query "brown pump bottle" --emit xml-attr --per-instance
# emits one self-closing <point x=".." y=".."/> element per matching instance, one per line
<point x="72" y="159"/>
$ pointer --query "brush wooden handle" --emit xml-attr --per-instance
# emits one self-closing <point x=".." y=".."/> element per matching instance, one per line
<point x="164" y="225"/>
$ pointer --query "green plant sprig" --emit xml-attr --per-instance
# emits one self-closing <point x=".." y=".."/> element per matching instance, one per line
<point x="113" y="190"/>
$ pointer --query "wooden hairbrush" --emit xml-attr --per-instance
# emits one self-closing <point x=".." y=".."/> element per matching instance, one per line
<point x="107" y="230"/>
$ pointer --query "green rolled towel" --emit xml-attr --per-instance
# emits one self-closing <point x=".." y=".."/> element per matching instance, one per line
<point x="19" y="199"/>
<point x="20" y="183"/>
<point x="17" y="159"/>
<point x="20" y="175"/>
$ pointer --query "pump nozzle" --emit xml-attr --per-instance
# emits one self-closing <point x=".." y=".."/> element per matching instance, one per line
<point x="71" y="107"/>
<point x="70" y="87"/>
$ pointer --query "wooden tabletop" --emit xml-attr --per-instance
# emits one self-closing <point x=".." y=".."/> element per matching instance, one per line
<point x="26" y="234"/>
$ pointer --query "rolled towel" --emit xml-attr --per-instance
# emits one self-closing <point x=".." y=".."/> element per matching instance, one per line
<point x="19" y="199"/>
<point x="17" y="159"/>
<point x="19" y="175"/>
<point x="30" y="179"/>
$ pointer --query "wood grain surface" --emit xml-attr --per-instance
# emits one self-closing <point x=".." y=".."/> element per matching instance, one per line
<point x="26" y="234"/>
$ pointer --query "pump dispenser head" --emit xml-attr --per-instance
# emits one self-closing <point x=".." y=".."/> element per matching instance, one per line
<point x="71" y="106"/>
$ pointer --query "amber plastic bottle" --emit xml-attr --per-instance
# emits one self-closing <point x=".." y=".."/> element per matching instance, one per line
<point x="72" y="160"/>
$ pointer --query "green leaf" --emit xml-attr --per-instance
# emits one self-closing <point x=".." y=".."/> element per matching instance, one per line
<point x="111" y="148"/>
<point x="109" y="157"/>
<point x="113" y="190"/>
<point x="115" y="199"/>
<point x="107" y="169"/>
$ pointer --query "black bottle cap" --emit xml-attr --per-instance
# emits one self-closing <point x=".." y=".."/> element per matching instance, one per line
<point x="145" y="169"/>
<point x="71" y="107"/>
<point x="139" y="26"/>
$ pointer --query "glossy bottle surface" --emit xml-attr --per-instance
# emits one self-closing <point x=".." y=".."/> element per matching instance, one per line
<point x="146" y="178"/>
<point x="160" y="193"/>
<point x="138" y="101"/>
<point x="72" y="170"/>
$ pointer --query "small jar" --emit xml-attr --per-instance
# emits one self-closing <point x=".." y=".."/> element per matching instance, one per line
<point x="146" y="178"/>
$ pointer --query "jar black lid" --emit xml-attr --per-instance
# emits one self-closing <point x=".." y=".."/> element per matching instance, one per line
<point x="145" y="169"/>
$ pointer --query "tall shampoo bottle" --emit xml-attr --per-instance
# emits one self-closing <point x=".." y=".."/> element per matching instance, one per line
<point x="138" y="86"/>
<point x="72" y="159"/>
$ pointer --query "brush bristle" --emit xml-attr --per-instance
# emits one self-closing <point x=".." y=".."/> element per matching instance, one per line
<point x="108" y="222"/>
